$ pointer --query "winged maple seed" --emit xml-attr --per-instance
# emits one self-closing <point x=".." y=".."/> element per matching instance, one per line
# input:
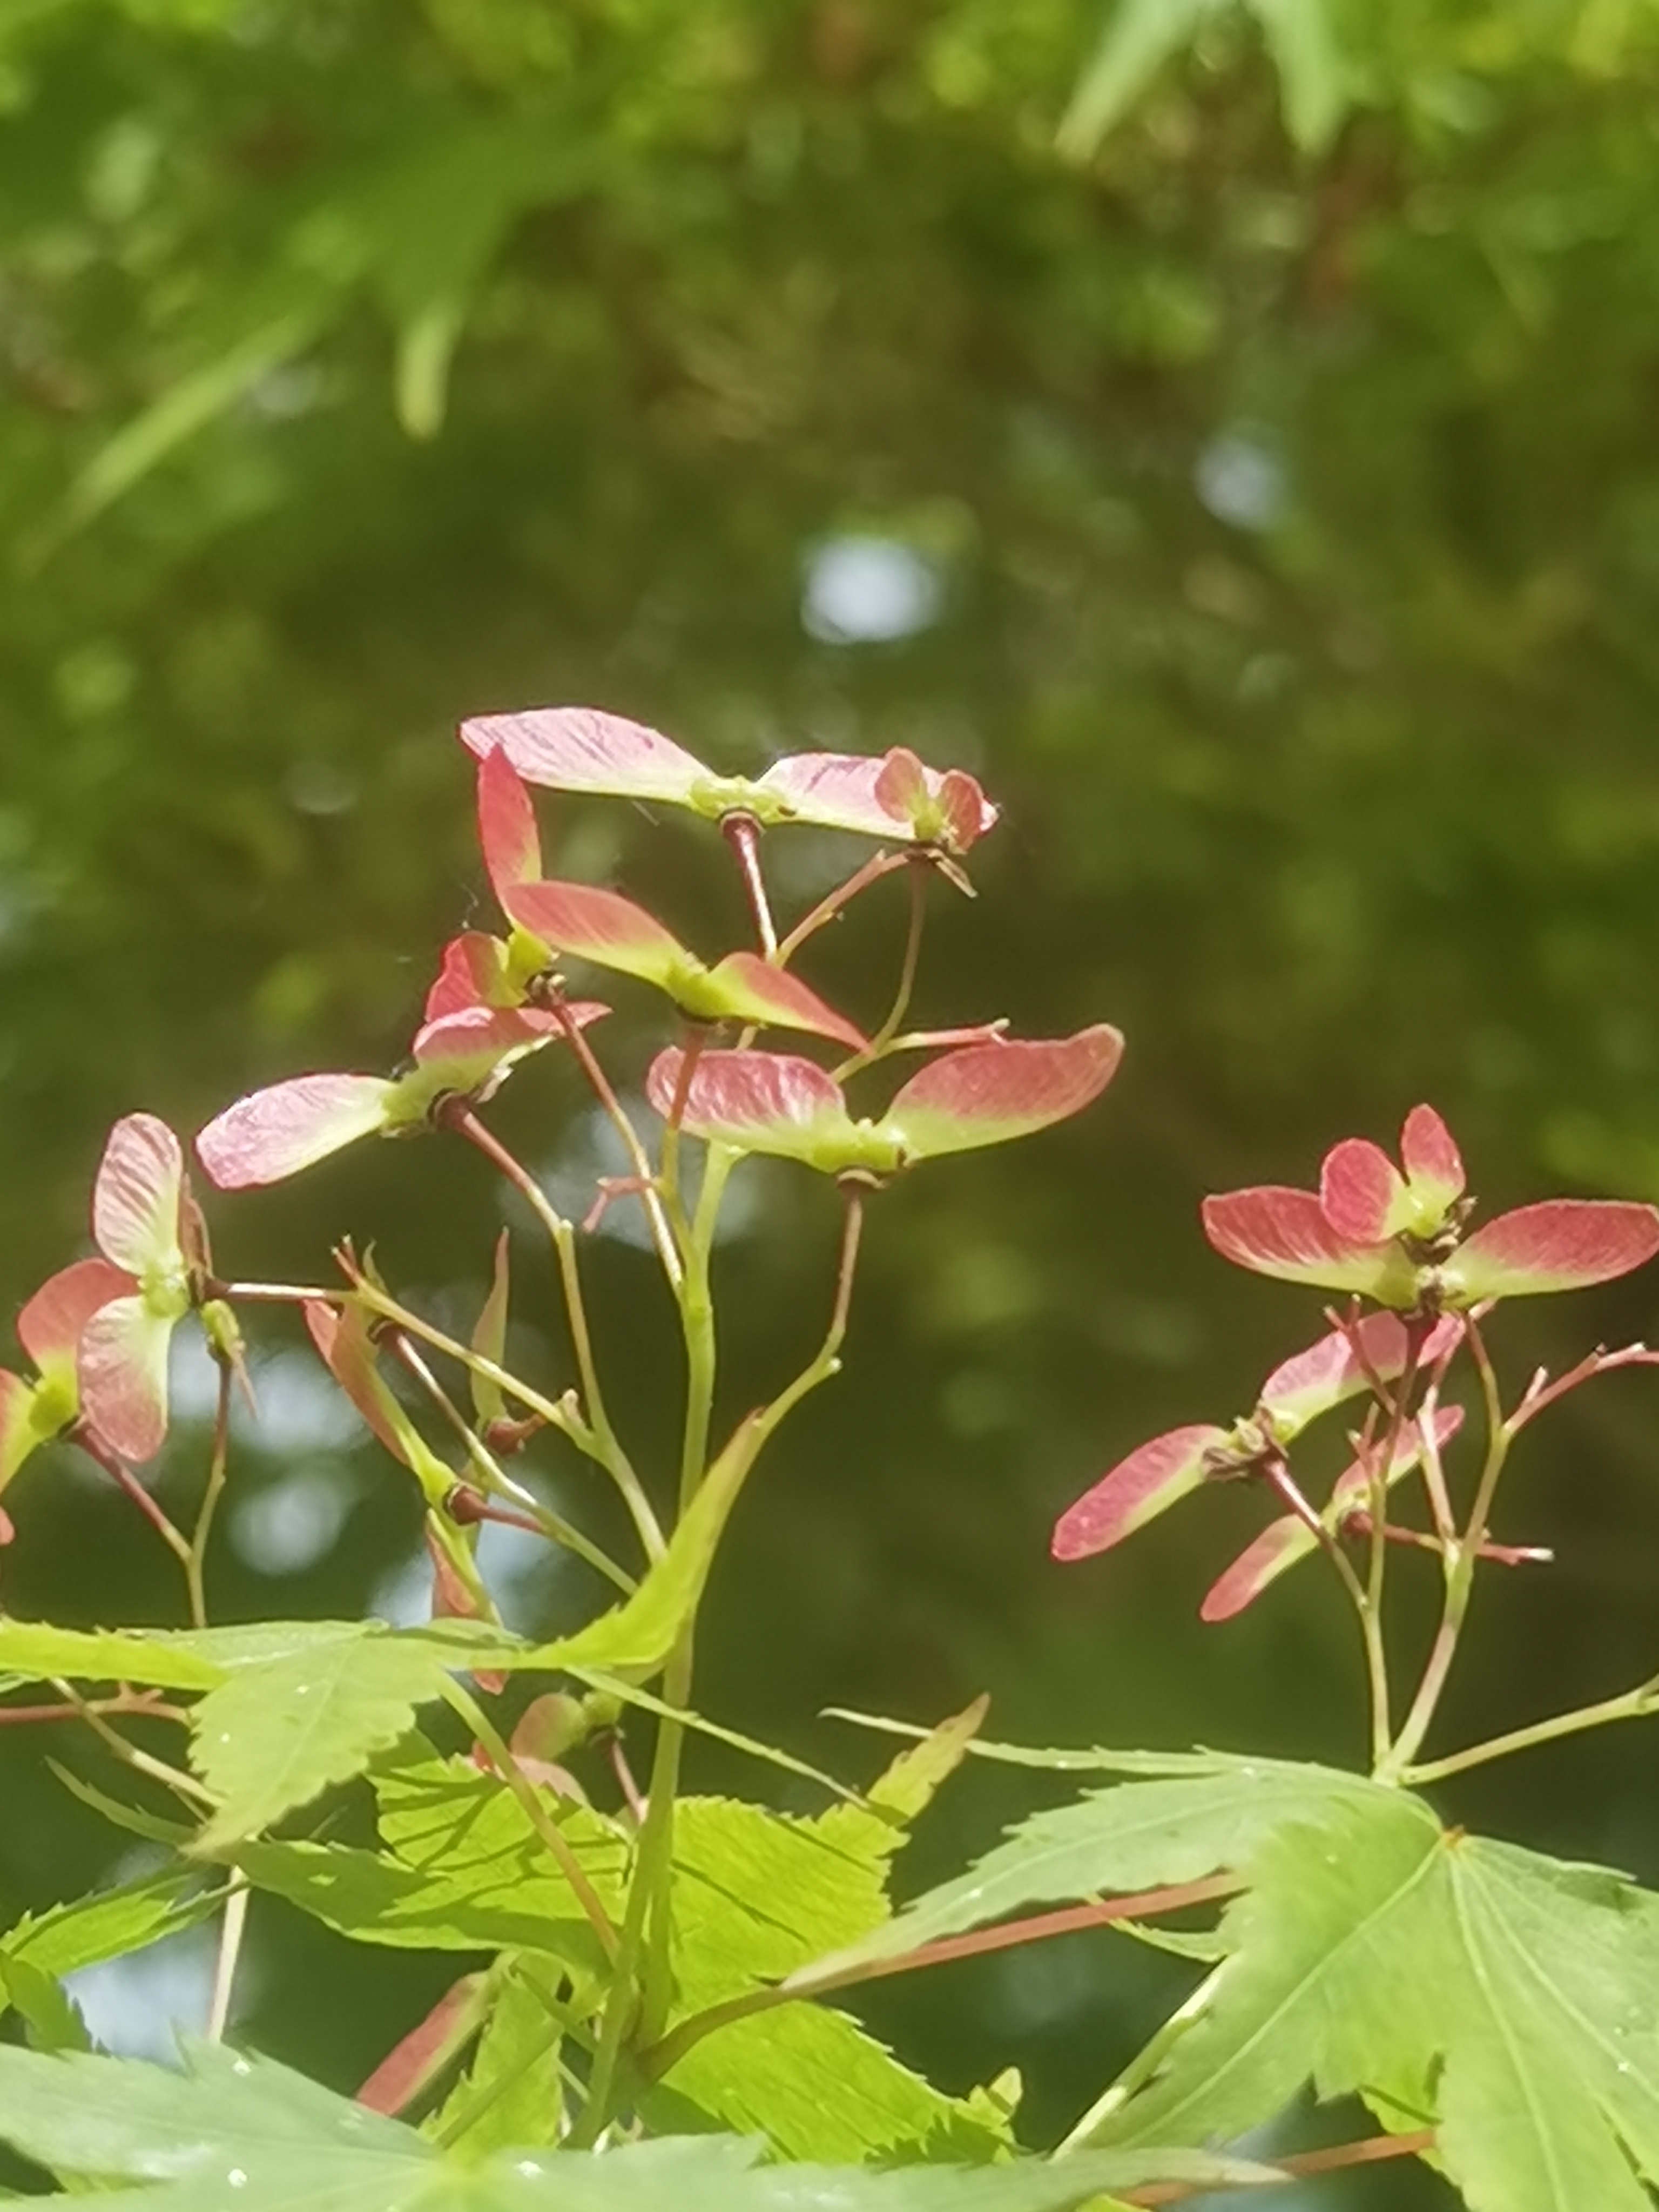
<point x="1342" y="1365"/>
<point x="274" y="1133"/>
<point x="581" y="919"/>
<point x="1398" y="1237"/>
<point x="893" y="796"/>
<point x="986" y="1093"/>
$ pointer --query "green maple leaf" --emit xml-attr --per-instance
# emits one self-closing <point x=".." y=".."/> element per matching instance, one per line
<point x="1202" y="1820"/>
<point x="1378" y="1952"/>
<point x="239" y="2134"/>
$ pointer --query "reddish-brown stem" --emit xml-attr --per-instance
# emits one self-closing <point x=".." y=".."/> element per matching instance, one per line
<point x="742" y="833"/>
<point x="976" y="1943"/>
<point x="1367" y="2152"/>
<point x="878" y="865"/>
<point x="122" y="1476"/>
<point x="130" y="1705"/>
<point x="1541" y="1394"/>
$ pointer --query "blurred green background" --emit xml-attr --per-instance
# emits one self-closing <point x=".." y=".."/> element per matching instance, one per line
<point x="1231" y="429"/>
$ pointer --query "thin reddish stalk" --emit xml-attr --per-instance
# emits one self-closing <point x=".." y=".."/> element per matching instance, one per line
<point x="978" y="1942"/>
<point x="742" y="834"/>
<point x="878" y="865"/>
<point x="1367" y="2152"/>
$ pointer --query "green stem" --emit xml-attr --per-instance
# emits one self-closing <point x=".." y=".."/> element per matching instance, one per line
<point x="1141" y="2067"/>
<point x="638" y="1988"/>
<point x="172" y="1778"/>
<point x="882" y="1040"/>
<point x="1462" y="1558"/>
<point x="558" y="1843"/>
<point x="609" y="1453"/>
<point x="613" y="1457"/>
<point x="495" y="1481"/>
<point x="1633" y="1704"/>
<point x="650" y="1197"/>
<point x="231" y="1931"/>
<point x="196" y="1564"/>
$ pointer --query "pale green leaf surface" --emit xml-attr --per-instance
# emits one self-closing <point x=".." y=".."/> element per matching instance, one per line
<point x="50" y="2020"/>
<point x="462" y="1869"/>
<point x="905" y="1788"/>
<point x="1375" y="1947"/>
<point x="755" y="1895"/>
<point x="190" y="1659"/>
<point x="249" y="2133"/>
<point x="109" y="1924"/>
<point x="273" y="1737"/>
<point x="1141" y="1835"/>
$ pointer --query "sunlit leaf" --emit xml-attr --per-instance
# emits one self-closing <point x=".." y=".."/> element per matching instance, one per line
<point x="754" y="1896"/>
<point x="1136" y="1836"/>
<point x="247" y="2132"/>
<point x="511" y="2093"/>
<point x="1140" y="36"/>
<point x="1314" y="77"/>
<point x="273" y="1737"/>
<point x="1375" y="1949"/>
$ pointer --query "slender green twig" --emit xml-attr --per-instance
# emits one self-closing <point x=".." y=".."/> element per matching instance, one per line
<point x="603" y="1449"/>
<point x="661" y="1235"/>
<point x="172" y="1778"/>
<point x="231" y="1931"/>
<point x="196" y="1564"/>
<point x="884" y="1037"/>
<point x="558" y="1843"/>
<point x="1462" y="1556"/>
<point x="494" y="1480"/>
<point x="563" y="1235"/>
<point x="1633" y="1704"/>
